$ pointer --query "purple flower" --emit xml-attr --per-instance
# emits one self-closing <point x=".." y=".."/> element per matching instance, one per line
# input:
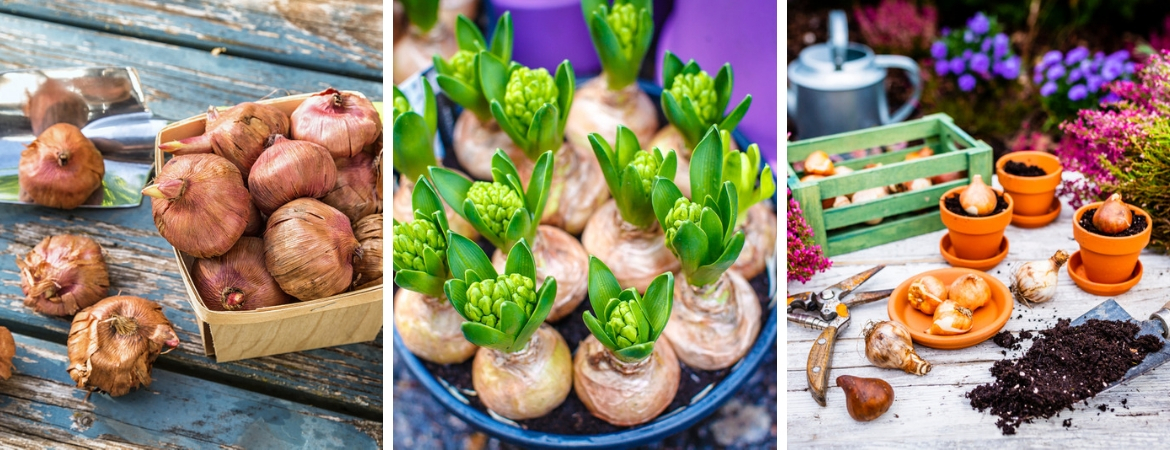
<point x="1077" y="92"/>
<point x="986" y="45"/>
<point x="938" y="50"/>
<point x="1050" y="58"/>
<point x="1119" y="56"/>
<point x="968" y="37"/>
<point x="1076" y="55"/>
<point x="966" y="54"/>
<point x="1075" y="75"/>
<point x="1110" y="98"/>
<point x="1094" y="83"/>
<point x="979" y="24"/>
<point x="941" y="67"/>
<point x="1086" y="65"/>
<point x="966" y="83"/>
<point x="980" y="63"/>
<point x="1129" y="67"/>
<point x="1001" y="45"/>
<point x="1036" y="79"/>
<point x="1112" y="69"/>
<point x="958" y="66"/>
<point x="1009" y="68"/>
<point x="1049" y="88"/>
<point x="1055" y="72"/>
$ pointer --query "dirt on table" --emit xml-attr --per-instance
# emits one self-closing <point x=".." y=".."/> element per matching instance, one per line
<point x="1137" y="225"/>
<point x="1065" y="365"/>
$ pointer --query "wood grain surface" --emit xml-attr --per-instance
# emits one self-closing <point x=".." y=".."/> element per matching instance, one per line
<point x="41" y="407"/>
<point x="342" y="37"/>
<point x="179" y="82"/>
<point x="931" y="411"/>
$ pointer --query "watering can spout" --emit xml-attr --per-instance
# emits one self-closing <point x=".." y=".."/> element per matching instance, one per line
<point x="838" y="37"/>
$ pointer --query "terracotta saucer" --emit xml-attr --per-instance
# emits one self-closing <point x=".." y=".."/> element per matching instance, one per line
<point x="1076" y="271"/>
<point x="947" y="249"/>
<point x="988" y="319"/>
<point x="1038" y="221"/>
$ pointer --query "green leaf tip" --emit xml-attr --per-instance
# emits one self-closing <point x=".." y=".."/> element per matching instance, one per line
<point x="630" y="173"/>
<point x="629" y="324"/>
<point x="621" y="35"/>
<point x="693" y="101"/>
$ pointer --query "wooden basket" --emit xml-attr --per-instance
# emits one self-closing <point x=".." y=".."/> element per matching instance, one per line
<point x="229" y="336"/>
<point x="843" y="230"/>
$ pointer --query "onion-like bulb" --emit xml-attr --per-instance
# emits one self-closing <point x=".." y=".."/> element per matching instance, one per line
<point x="978" y="199"/>
<point x="713" y="327"/>
<point x="238" y="279"/>
<point x="969" y="291"/>
<point x="289" y="170"/>
<point x="255" y="227"/>
<point x="310" y="249"/>
<point x="60" y="169"/>
<point x="342" y="122"/>
<point x="7" y="352"/>
<point x="888" y="344"/>
<point x="113" y="344"/>
<point x="63" y="274"/>
<point x="1113" y="216"/>
<point x="355" y="193"/>
<point x="54" y="103"/>
<point x="368" y="232"/>
<point x="950" y="319"/>
<point x="200" y="204"/>
<point x="926" y="293"/>
<point x="526" y="384"/>
<point x="818" y="163"/>
<point x="625" y="393"/>
<point x="239" y="133"/>
<point x="1035" y="281"/>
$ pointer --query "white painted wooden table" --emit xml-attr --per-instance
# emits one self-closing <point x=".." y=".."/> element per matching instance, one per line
<point x="931" y="411"/>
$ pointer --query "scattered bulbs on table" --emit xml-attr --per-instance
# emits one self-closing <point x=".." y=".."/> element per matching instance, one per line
<point x="1035" y="281"/>
<point x="888" y="344"/>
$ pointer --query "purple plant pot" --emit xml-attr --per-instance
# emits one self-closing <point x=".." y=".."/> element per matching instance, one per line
<point x="742" y="33"/>
<point x="548" y="32"/>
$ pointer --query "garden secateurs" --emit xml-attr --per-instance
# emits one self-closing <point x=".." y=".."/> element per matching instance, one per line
<point x="827" y="311"/>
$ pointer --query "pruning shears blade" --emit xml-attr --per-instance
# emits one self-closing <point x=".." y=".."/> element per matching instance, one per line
<point x="849" y="284"/>
<point x="862" y="298"/>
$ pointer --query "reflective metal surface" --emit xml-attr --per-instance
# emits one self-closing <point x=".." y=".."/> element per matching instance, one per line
<point x="108" y="105"/>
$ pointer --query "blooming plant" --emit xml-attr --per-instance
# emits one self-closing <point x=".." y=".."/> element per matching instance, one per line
<point x="805" y="258"/>
<point x="1072" y="81"/>
<point x="896" y="26"/>
<point x="980" y="51"/>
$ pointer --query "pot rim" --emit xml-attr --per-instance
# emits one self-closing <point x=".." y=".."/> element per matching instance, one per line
<point x="1082" y="235"/>
<point x="958" y="223"/>
<point x="1028" y="185"/>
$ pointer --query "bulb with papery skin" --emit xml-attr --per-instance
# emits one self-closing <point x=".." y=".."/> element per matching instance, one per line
<point x="200" y="204"/>
<point x="60" y="169"/>
<point x="969" y="291"/>
<point x="978" y="199"/>
<point x="344" y="123"/>
<point x="950" y="319"/>
<point x="113" y="344"/>
<point x="1113" y="216"/>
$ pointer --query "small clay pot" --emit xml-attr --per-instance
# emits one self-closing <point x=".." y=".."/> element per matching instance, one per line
<point x="975" y="238"/>
<point x="1032" y="195"/>
<point x="1110" y="259"/>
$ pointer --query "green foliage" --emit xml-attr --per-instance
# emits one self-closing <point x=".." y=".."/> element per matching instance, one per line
<point x="632" y="323"/>
<point x="743" y="169"/>
<point x="502" y="311"/>
<point x="420" y="245"/>
<point x="414" y="134"/>
<point x="423" y="14"/>
<point x="459" y="76"/>
<point x="621" y="34"/>
<point x="694" y="102"/>
<point x="630" y="173"/>
<point x="1142" y="175"/>
<point x="530" y="106"/>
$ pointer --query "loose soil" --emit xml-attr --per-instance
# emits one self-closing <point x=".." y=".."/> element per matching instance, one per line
<point x="1020" y="169"/>
<point x="572" y="417"/>
<point x="1065" y="365"/>
<point x="952" y="204"/>
<point x="1137" y="225"/>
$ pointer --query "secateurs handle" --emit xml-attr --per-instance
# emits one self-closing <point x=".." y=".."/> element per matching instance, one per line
<point x="818" y="363"/>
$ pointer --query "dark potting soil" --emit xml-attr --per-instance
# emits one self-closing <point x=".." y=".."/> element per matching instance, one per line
<point x="571" y="417"/>
<point x="1004" y="339"/>
<point x="1020" y="169"/>
<point x="1065" y="365"/>
<point x="952" y="204"/>
<point x="1136" y="226"/>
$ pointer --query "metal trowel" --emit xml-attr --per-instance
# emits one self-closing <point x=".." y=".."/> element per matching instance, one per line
<point x="107" y="103"/>
<point x="1158" y="325"/>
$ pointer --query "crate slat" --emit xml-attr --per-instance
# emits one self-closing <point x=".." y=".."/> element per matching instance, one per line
<point x="868" y="138"/>
<point x="884" y="233"/>
<point x="893" y="205"/>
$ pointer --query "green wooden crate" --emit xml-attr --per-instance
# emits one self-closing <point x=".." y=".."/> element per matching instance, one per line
<point x="843" y="230"/>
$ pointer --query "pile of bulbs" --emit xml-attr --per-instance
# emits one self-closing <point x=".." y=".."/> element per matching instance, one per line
<point x="952" y="307"/>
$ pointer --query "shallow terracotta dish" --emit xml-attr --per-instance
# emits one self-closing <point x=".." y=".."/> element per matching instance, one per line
<point x="948" y="252"/>
<point x="1022" y="221"/>
<point x="988" y="320"/>
<point x="1076" y="271"/>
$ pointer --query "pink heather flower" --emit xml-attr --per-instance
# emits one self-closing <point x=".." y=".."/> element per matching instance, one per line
<point x="805" y="258"/>
<point x="897" y="25"/>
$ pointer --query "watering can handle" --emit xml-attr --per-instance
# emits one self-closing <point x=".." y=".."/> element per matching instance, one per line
<point x="911" y="68"/>
<point x="838" y="37"/>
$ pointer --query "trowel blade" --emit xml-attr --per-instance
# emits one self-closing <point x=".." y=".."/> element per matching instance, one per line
<point x="1110" y="310"/>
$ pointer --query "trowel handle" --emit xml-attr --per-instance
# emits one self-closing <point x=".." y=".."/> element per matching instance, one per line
<point x="1163" y="315"/>
<point x="838" y="36"/>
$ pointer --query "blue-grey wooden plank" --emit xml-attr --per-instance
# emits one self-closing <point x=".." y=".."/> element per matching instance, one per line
<point x="41" y="404"/>
<point x="179" y="82"/>
<point x="141" y="263"/>
<point x="335" y="36"/>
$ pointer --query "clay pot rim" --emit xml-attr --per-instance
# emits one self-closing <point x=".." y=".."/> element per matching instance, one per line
<point x="957" y="222"/>
<point x="1028" y="185"/>
<point x="1079" y="231"/>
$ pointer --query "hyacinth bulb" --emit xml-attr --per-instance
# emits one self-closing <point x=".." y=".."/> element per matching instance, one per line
<point x="238" y="279"/>
<point x="60" y="169"/>
<point x="344" y="123"/>
<point x="113" y="344"/>
<point x="1113" y="216"/>
<point x="200" y="204"/>
<point x="63" y="274"/>
<point x="239" y="134"/>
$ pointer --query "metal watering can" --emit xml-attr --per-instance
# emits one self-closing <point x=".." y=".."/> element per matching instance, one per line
<point x="837" y="86"/>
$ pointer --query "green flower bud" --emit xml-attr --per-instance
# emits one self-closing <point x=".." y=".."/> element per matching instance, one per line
<point x="623" y="326"/>
<point x="485" y="299"/>
<point x="527" y="91"/>
<point x="700" y="88"/>
<point x="401" y="106"/>
<point x="647" y="165"/>
<point x="411" y="238"/>
<point x="623" y="19"/>
<point x="683" y="211"/>
<point x="461" y="66"/>
<point x="495" y="203"/>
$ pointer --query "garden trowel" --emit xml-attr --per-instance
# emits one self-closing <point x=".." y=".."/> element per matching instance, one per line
<point x="1158" y="325"/>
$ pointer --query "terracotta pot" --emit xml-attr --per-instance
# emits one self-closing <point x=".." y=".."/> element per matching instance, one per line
<point x="1032" y="195"/>
<point x="1108" y="259"/>
<point x="975" y="238"/>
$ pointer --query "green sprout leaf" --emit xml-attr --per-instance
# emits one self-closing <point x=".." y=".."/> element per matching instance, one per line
<point x="752" y="182"/>
<point x="694" y="102"/>
<point x="459" y="76"/>
<point x="630" y="324"/>
<point x="501" y="210"/>
<point x="502" y="310"/>
<point x="630" y="173"/>
<point x="621" y="34"/>
<point x="422" y="13"/>
<point x="414" y="135"/>
<point x="532" y="107"/>
<point x="701" y="235"/>
<point x="420" y="245"/>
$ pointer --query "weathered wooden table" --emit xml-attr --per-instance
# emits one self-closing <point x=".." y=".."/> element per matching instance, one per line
<point x="328" y="398"/>
<point x="931" y="411"/>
